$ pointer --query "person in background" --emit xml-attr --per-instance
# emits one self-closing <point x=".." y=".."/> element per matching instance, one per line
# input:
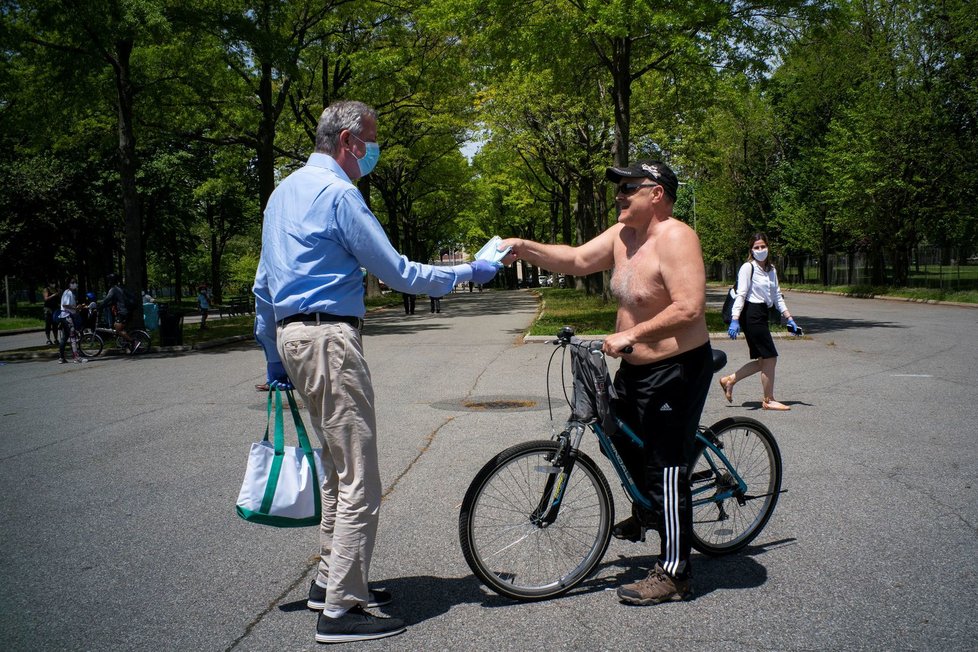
<point x="666" y="366"/>
<point x="115" y="301"/>
<point x="52" y="305"/>
<point x="90" y="317"/>
<point x="309" y="305"/>
<point x="69" y="324"/>
<point x="435" y="304"/>
<point x="757" y="291"/>
<point x="409" y="302"/>
<point x="203" y="304"/>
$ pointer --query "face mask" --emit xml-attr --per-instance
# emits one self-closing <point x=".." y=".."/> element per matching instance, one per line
<point x="72" y="286"/>
<point x="759" y="255"/>
<point x="370" y="157"/>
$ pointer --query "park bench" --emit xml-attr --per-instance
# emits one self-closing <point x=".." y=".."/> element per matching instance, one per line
<point x="235" y="307"/>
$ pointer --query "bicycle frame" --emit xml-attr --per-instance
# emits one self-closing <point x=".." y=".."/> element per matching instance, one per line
<point x="629" y="483"/>
<point x="538" y="517"/>
<point x="735" y="487"/>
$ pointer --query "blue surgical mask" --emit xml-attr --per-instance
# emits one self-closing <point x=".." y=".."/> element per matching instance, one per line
<point x="370" y="157"/>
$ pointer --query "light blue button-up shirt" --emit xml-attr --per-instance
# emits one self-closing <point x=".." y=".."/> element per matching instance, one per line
<point x="317" y="234"/>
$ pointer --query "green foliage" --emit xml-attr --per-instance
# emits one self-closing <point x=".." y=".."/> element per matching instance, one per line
<point x="153" y="123"/>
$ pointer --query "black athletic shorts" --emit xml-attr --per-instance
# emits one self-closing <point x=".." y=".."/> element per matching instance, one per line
<point x="662" y="402"/>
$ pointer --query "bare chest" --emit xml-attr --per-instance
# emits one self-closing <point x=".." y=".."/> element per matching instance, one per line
<point x="637" y="279"/>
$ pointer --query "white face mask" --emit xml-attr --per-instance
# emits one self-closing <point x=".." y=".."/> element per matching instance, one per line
<point x="760" y="255"/>
<point x="72" y="286"/>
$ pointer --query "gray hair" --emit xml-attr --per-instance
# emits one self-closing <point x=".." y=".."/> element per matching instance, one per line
<point x="339" y="116"/>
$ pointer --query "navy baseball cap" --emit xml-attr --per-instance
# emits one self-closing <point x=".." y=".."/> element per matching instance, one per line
<point x="657" y="171"/>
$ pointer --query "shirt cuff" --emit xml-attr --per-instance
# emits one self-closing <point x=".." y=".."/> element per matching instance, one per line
<point x="463" y="272"/>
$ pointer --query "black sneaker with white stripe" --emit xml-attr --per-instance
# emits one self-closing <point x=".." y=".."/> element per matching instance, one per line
<point x="317" y="598"/>
<point x="356" y="625"/>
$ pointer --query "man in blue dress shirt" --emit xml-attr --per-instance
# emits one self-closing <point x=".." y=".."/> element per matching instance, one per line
<point x="317" y="234"/>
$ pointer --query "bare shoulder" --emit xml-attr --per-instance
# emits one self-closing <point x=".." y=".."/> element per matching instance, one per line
<point x="673" y="234"/>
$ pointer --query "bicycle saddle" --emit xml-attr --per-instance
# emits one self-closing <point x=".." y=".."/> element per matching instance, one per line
<point x="719" y="360"/>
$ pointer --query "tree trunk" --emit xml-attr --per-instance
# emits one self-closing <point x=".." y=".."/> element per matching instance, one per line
<point x="566" y="227"/>
<point x="265" y="149"/>
<point x="215" y="253"/>
<point x="621" y="76"/>
<point x="135" y="260"/>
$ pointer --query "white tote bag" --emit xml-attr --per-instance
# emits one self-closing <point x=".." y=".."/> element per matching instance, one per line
<point x="280" y="488"/>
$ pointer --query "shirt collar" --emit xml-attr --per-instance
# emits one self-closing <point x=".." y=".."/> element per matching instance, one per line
<point x="320" y="160"/>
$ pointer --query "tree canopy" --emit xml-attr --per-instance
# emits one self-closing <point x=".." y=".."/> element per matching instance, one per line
<point x="145" y="136"/>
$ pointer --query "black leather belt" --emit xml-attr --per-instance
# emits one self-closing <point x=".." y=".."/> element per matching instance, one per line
<point x="323" y="317"/>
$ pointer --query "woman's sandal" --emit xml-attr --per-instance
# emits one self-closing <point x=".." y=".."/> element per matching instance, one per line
<point x="771" y="404"/>
<point x="727" y="389"/>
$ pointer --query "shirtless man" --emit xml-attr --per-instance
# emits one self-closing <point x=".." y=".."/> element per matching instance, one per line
<point x="660" y="283"/>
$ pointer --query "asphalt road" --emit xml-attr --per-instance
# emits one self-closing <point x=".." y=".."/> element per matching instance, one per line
<point x="119" y="478"/>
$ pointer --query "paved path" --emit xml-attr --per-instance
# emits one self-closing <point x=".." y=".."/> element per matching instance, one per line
<point x="119" y="478"/>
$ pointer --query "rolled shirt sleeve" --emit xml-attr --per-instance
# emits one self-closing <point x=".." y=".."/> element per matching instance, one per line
<point x="317" y="234"/>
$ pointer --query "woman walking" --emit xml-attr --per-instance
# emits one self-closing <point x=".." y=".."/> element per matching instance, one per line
<point x="757" y="290"/>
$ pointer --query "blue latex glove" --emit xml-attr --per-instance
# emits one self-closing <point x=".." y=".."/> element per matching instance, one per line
<point x="277" y="377"/>
<point x="734" y="329"/>
<point x="483" y="271"/>
<point x="794" y="327"/>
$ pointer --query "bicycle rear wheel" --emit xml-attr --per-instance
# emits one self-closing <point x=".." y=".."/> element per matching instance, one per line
<point x="509" y="548"/>
<point x="140" y="342"/>
<point x="725" y="525"/>
<point x="90" y="344"/>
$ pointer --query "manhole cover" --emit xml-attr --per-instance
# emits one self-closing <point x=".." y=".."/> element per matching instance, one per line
<point x="498" y="405"/>
<point x="494" y="403"/>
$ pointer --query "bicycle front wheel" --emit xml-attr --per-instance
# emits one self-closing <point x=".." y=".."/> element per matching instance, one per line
<point x="726" y="519"/>
<point x="515" y="552"/>
<point x="90" y="344"/>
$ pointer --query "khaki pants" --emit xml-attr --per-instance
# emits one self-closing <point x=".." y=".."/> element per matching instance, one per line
<point x="326" y="365"/>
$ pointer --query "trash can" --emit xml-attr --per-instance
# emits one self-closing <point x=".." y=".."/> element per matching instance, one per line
<point x="171" y="326"/>
<point x="151" y="316"/>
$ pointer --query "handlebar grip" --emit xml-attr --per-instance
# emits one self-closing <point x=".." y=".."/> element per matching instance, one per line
<point x="627" y="350"/>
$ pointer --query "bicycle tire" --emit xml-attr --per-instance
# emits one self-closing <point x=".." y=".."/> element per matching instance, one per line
<point x="90" y="344"/>
<point x="142" y="338"/>
<point x="724" y="527"/>
<point x="515" y="557"/>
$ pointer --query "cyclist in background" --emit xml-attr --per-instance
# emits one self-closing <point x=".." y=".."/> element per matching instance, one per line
<point x="115" y="299"/>
<point x="90" y="313"/>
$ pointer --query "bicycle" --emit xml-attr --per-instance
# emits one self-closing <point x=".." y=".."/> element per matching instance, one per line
<point x="91" y="341"/>
<point x="537" y="518"/>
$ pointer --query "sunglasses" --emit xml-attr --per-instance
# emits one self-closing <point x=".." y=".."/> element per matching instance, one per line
<point x="631" y="188"/>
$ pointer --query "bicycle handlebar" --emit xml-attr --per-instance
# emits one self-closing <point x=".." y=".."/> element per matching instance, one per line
<point x="566" y="333"/>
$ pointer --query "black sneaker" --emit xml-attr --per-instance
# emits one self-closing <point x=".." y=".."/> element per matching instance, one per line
<point x="356" y="625"/>
<point x="317" y="598"/>
<point x="631" y="529"/>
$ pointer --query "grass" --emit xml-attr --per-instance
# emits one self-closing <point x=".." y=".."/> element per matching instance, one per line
<point x="589" y="315"/>
<point x="918" y="294"/>
<point x="17" y="323"/>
